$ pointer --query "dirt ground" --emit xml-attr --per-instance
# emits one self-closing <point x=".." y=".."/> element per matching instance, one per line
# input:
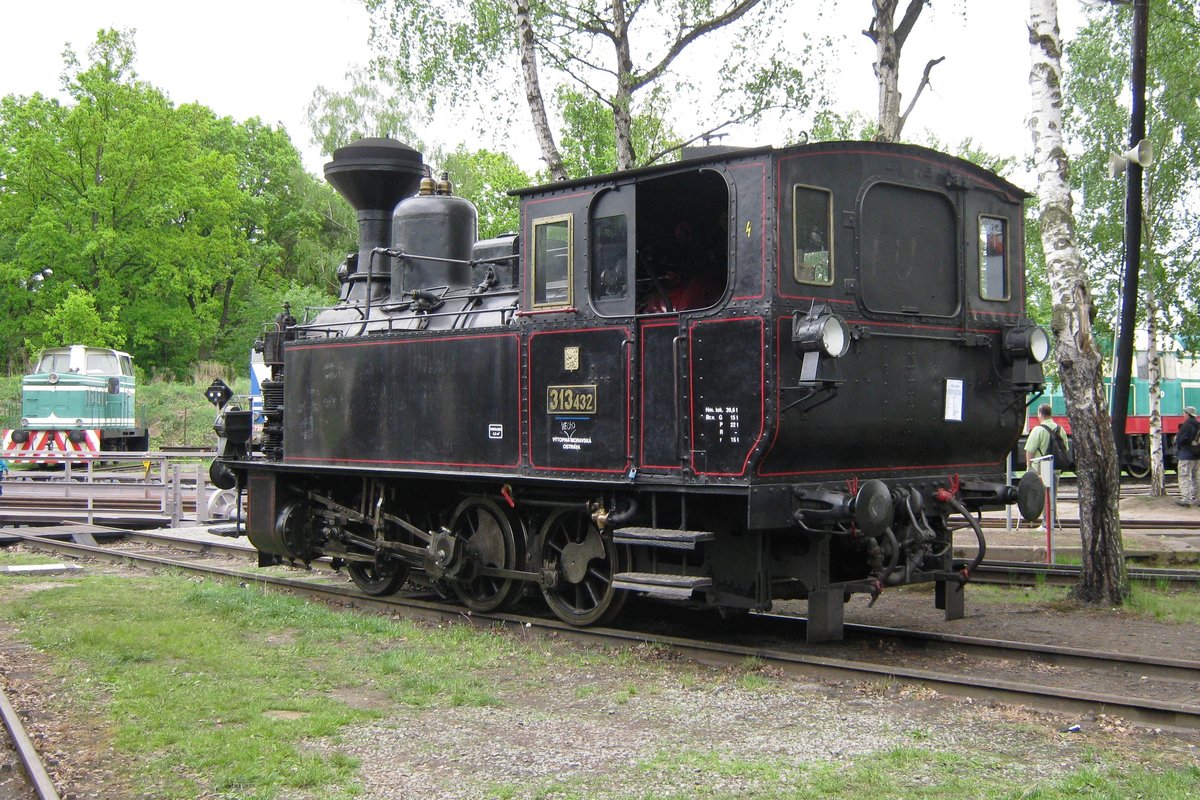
<point x="582" y="729"/>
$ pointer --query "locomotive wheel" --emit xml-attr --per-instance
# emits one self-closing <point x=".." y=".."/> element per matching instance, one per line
<point x="582" y="564"/>
<point x="1139" y="469"/>
<point x="487" y="532"/>
<point x="378" y="577"/>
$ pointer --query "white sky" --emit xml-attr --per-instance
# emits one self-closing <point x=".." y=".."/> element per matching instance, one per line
<point x="263" y="58"/>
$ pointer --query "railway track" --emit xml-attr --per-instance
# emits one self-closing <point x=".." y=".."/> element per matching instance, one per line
<point x="1154" y="691"/>
<point x="1130" y="524"/>
<point x="35" y="771"/>
<point x="1023" y="573"/>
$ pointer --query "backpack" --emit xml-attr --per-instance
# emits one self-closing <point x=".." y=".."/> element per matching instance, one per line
<point x="1063" y="457"/>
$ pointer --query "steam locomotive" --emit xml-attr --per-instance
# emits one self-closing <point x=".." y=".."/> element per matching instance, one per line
<point x="746" y="376"/>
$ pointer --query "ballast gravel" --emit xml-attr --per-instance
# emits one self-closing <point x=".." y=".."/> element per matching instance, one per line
<point x="713" y="737"/>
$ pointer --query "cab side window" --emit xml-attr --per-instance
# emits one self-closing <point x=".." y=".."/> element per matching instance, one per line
<point x="553" y="264"/>
<point x="610" y="258"/>
<point x="993" y="258"/>
<point x="813" y="232"/>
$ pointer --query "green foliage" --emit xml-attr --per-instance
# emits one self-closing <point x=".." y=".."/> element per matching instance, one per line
<point x="485" y="177"/>
<point x="1097" y="120"/>
<point x="588" y="141"/>
<point x="165" y="217"/>
<point x="369" y="108"/>
<point x="10" y="400"/>
<point x="624" y="58"/>
<point x="831" y="126"/>
<point x="77" y="321"/>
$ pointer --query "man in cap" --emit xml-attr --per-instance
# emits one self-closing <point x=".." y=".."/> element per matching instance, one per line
<point x="1187" y="451"/>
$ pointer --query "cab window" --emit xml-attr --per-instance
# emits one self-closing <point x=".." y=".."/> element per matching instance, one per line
<point x="552" y="262"/>
<point x="813" y="233"/>
<point x="610" y="258"/>
<point x="102" y="364"/>
<point x="682" y="242"/>
<point x="54" y="362"/>
<point x="993" y="258"/>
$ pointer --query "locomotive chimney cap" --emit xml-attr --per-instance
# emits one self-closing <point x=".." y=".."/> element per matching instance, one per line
<point x="375" y="173"/>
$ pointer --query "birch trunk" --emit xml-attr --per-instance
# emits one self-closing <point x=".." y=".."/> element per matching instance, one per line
<point x="622" y="106"/>
<point x="1158" y="480"/>
<point x="533" y="92"/>
<point x="887" y="69"/>
<point x="889" y="41"/>
<point x="1154" y="376"/>
<point x="1102" y="576"/>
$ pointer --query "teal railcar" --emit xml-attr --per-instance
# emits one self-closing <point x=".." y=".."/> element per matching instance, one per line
<point x="1174" y="395"/>
<point x="77" y="400"/>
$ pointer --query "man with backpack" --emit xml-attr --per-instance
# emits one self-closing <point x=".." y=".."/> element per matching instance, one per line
<point x="1187" y="451"/>
<point x="1048" y="438"/>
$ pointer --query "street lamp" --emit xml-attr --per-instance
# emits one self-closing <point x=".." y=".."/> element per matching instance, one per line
<point x="35" y="281"/>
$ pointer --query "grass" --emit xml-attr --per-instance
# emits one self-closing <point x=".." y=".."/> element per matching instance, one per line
<point x="1165" y="605"/>
<point x="15" y="559"/>
<point x="229" y="681"/>
<point x="213" y="690"/>
<point x="1158" y="602"/>
<point x="900" y="773"/>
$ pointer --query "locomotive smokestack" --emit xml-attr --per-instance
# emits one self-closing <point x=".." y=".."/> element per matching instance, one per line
<point x="373" y="175"/>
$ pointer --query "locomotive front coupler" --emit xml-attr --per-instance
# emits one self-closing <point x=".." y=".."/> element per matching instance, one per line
<point x="872" y="508"/>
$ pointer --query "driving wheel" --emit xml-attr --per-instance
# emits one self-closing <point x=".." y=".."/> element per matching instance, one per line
<point x="578" y="568"/>
<point x="486" y="532"/>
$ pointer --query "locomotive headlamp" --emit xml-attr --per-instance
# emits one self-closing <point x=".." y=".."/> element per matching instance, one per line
<point x="1026" y="346"/>
<point x="820" y="330"/>
<point x="818" y="337"/>
<point x="1027" y="341"/>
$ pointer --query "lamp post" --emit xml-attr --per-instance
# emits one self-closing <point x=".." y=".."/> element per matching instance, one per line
<point x="35" y="281"/>
<point x="1122" y="371"/>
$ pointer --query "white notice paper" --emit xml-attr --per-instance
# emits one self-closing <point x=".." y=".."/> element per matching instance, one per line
<point x="954" y="400"/>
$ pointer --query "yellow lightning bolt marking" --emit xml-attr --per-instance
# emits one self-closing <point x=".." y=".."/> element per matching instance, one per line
<point x="747" y="229"/>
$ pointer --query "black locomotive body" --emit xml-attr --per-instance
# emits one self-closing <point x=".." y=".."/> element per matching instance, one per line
<point x="762" y="375"/>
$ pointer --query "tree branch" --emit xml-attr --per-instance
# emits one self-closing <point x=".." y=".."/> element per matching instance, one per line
<point x="910" y="18"/>
<point x="920" y="88"/>
<point x="732" y="15"/>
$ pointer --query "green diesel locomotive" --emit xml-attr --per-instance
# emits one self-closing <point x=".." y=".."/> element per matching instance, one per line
<point x="78" y="400"/>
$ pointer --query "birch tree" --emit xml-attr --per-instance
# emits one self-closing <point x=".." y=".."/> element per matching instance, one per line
<point x="1102" y="576"/>
<point x="889" y="39"/>
<point x="615" y="51"/>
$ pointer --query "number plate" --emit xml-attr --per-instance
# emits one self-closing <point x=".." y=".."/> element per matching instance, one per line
<point x="571" y="399"/>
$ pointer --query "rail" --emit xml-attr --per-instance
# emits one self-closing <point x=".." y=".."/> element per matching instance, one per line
<point x="35" y="770"/>
<point x="163" y="487"/>
<point x="1167" y="699"/>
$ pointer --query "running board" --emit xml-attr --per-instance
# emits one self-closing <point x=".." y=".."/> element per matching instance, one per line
<point x="670" y="538"/>
<point x="667" y="587"/>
